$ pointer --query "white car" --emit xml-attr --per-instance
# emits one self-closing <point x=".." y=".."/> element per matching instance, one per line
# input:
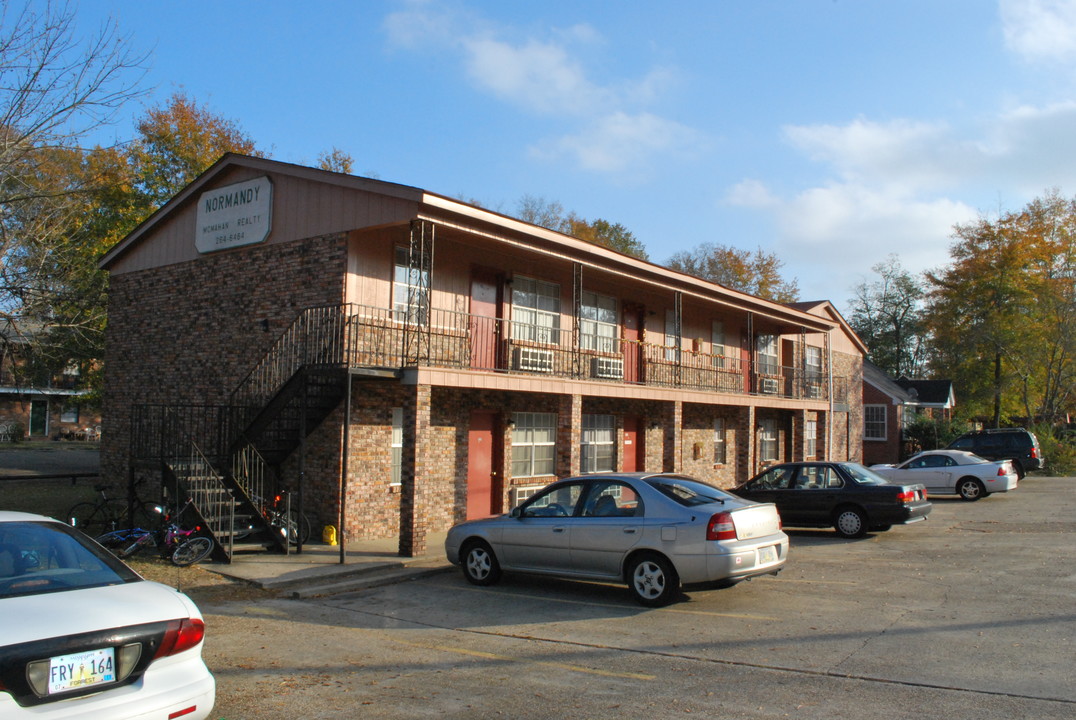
<point x="953" y="471"/>
<point x="84" y="637"/>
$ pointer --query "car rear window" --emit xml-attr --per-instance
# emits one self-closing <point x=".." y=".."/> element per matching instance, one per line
<point x="862" y="475"/>
<point x="687" y="491"/>
<point x="43" y="557"/>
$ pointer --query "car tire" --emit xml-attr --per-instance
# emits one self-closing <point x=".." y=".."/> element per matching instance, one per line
<point x="479" y="564"/>
<point x="850" y="522"/>
<point x="881" y="528"/>
<point x="1019" y="468"/>
<point x="653" y="580"/>
<point x="970" y="489"/>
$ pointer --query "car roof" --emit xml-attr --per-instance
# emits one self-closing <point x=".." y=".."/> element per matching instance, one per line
<point x="951" y="453"/>
<point x="15" y="516"/>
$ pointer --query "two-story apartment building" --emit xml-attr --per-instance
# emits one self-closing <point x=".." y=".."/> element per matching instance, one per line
<point x="404" y="361"/>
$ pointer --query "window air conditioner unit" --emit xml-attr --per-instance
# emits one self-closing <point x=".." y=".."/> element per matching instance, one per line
<point x="814" y="391"/>
<point x="607" y="367"/>
<point x="532" y="360"/>
<point x="768" y="385"/>
<point x="519" y="494"/>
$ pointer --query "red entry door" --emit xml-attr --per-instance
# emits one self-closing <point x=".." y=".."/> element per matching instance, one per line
<point x="481" y="454"/>
<point x="483" y="324"/>
<point x="632" y="451"/>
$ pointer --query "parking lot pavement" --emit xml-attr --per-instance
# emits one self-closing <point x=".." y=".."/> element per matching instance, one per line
<point x="968" y="615"/>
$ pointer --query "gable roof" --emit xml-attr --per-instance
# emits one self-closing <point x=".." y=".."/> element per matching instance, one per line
<point x="876" y="377"/>
<point x="825" y="308"/>
<point x="930" y="393"/>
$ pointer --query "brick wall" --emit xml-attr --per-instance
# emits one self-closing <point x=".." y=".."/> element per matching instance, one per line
<point x="188" y="333"/>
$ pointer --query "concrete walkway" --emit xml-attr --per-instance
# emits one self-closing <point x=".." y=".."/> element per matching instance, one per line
<point x="317" y="570"/>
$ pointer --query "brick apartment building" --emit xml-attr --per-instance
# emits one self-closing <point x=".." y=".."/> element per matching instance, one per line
<point x="404" y="361"/>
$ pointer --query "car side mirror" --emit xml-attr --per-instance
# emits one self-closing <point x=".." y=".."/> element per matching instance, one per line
<point x="516" y="512"/>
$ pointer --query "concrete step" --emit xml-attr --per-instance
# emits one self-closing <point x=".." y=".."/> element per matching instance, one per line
<point x="369" y="579"/>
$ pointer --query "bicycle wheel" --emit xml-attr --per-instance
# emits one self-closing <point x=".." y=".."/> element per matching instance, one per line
<point x="145" y="514"/>
<point x="191" y="551"/>
<point x="298" y="527"/>
<point x="96" y="518"/>
<point x="114" y="540"/>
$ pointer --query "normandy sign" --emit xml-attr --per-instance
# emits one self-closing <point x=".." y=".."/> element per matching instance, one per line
<point x="234" y="215"/>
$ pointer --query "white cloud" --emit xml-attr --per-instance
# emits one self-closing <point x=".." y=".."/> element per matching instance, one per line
<point x="622" y="143"/>
<point x="751" y="194"/>
<point x="611" y="129"/>
<point x="1040" y="30"/>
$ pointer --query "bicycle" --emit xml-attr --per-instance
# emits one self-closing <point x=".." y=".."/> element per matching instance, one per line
<point x="108" y="513"/>
<point x="289" y="523"/>
<point x="182" y="547"/>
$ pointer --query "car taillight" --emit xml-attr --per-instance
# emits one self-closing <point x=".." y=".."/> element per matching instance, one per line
<point x="906" y="496"/>
<point x="1003" y="469"/>
<point x="721" y="527"/>
<point x="1034" y="452"/>
<point x="181" y="635"/>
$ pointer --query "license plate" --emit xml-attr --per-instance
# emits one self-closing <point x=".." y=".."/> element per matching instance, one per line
<point x="81" y="670"/>
<point x="767" y="555"/>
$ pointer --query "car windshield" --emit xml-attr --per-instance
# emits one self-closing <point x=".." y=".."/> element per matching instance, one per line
<point x="862" y="475"/>
<point x="687" y="491"/>
<point x="43" y="557"/>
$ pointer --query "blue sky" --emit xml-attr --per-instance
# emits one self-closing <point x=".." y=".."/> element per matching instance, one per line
<point x="830" y="132"/>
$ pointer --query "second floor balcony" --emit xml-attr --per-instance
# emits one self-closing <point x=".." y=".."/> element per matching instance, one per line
<point x="360" y="336"/>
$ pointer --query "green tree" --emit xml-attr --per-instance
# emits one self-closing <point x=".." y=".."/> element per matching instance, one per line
<point x="551" y="214"/>
<point x="1002" y="313"/>
<point x="887" y="314"/>
<point x="756" y="273"/>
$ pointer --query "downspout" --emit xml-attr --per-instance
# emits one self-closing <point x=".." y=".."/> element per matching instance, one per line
<point x="829" y="381"/>
<point x="342" y="495"/>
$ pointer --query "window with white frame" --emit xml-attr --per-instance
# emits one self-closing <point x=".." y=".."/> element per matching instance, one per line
<point x="810" y="432"/>
<point x="69" y="414"/>
<point x="408" y="286"/>
<point x="874" y="422"/>
<point x="766" y="349"/>
<point x="813" y="362"/>
<point x="672" y="337"/>
<point x="767" y="448"/>
<point x="397" y="445"/>
<point x="597" y="323"/>
<point x="598" y="441"/>
<point x="535" y="310"/>
<point x="717" y="340"/>
<point x="719" y="441"/>
<point x="534" y="441"/>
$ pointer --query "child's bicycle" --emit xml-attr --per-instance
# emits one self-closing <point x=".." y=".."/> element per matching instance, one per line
<point x="182" y="547"/>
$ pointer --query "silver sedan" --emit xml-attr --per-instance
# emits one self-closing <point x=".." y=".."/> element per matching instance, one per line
<point x="653" y="531"/>
<point x="953" y="471"/>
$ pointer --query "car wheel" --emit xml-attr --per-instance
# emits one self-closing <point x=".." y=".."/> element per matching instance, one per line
<point x="480" y="565"/>
<point x="970" y="489"/>
<point x="850" y="522"/>
<point x="653" y="580"/>
<point x="1019" y="468"/>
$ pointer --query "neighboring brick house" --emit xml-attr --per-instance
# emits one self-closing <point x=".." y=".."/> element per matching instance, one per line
<point x="36" y="403"/>
<point x="484" y="355"/>
<point x="890" y="405"/>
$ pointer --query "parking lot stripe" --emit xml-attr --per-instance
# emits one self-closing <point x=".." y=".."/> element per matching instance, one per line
<point x="495" y="656"/>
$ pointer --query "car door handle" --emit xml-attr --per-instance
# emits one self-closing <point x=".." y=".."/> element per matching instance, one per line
<point x="558" y="529"/>
<point x="629" y="531"/>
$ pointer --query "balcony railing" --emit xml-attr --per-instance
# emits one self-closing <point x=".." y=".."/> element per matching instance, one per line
<point x="374" y="338"/>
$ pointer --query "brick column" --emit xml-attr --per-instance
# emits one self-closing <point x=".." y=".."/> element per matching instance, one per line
<point x="799" y="435"/>
<point x="673" y="420"/>
<point x="414" y="490"/>
<point x="569" y="435"/>
<point x="745" y="444"/>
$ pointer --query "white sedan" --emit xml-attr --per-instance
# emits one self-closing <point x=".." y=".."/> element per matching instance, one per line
<point x="82" y="636"/>
<point x="953" y="471"/>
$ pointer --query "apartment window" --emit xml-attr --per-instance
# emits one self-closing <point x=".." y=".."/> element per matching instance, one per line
<point x="408" y="287"/>
<point x="672" y="337"/>
<point x="719" y="441"/>
<point x="768" y="363"/>
<point x="597" y="323"/>
<point x="534" y="444"/>
<point x="397" y="446"/>
<point x="874" y="422"/>
<point x="69" y="414"/>
<point x="810" y="432"/>
<point x="767" y="440"/>
<point x="717" y="340"/>
<point x="813" y="361"/>
<point x="599" y="437"/>
<point x="535" y="310"/>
